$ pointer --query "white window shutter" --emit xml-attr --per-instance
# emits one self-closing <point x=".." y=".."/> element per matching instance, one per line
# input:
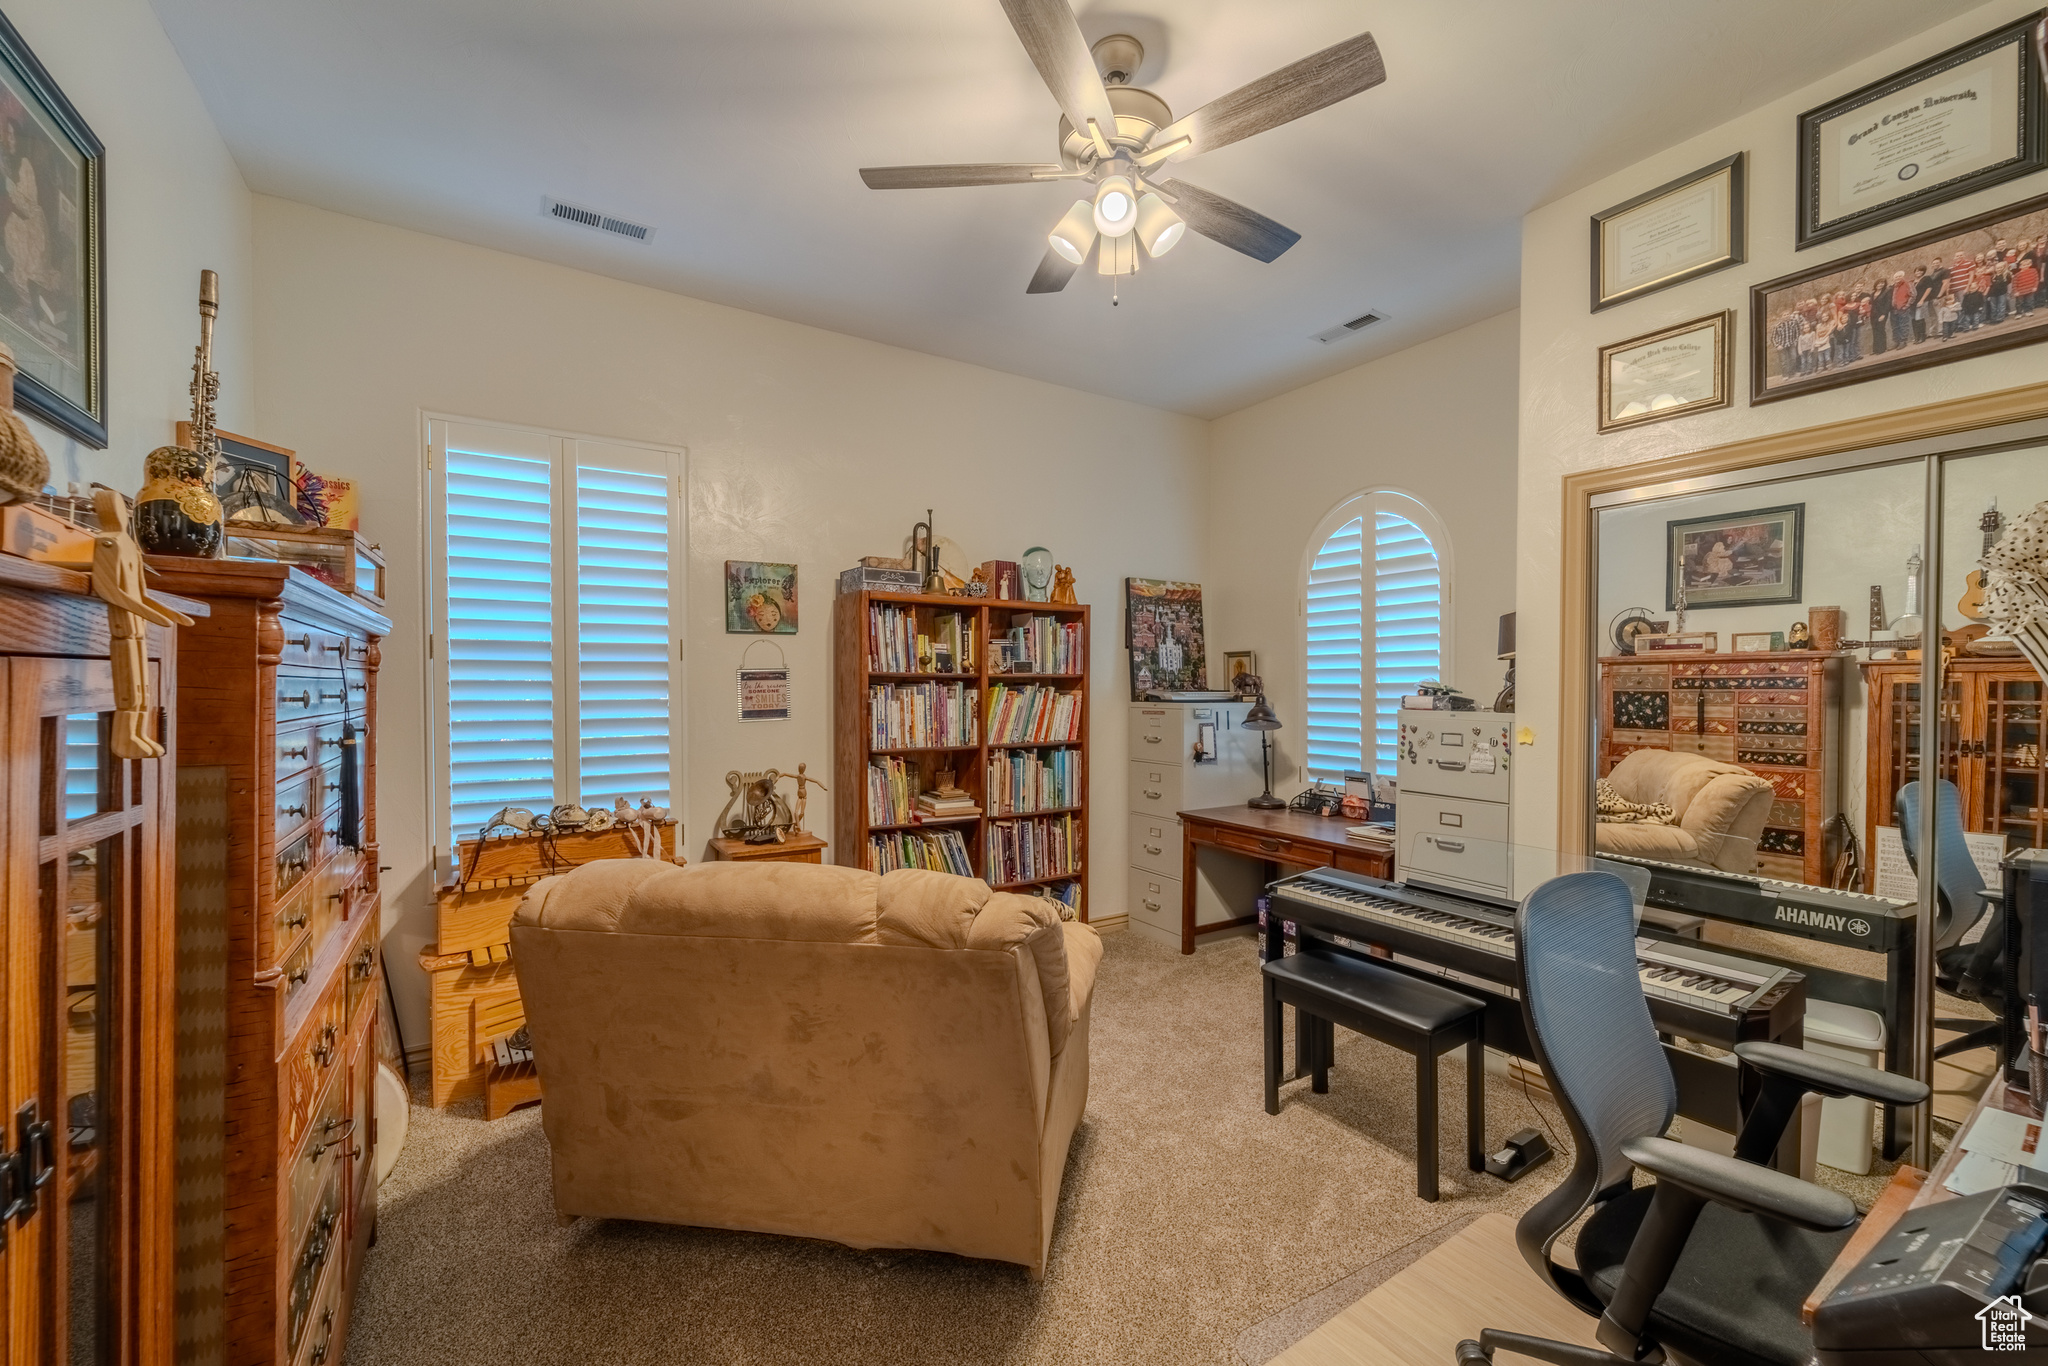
<point x="1335" y="653"/>
<point x="499" y="629"/>
<point x="623" y="633"/>
<point x="1407" y="627"/>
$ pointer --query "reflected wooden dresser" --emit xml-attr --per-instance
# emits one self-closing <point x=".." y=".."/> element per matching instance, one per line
<point x="1991" y="745"/>
<point x="86" y="910"/>
<point x="1776" y="714"/>
<point x="277" y="694"/>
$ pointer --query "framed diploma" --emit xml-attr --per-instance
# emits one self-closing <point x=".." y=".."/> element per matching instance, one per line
<point x="1957" y="122"/>
<point x="1680" y="370"/>
<point x="1676" y="232"/>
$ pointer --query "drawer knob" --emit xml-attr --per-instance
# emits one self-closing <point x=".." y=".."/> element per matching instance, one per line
<point x="341" y="696"/>
<point x="296" y="753"/>
<point x="1270" y="846"/>
<point x="297" y="976"/>
<point x="1151" y="848"/>
<point x="304" y="699"/>
<point x="291" y="811"/>
<point x="304" y="642"/>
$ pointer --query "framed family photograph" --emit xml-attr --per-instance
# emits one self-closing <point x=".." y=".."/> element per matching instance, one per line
<point x="1960" y="121"/>
<point x="760" y="598"/>
<point x="1739" y="559"/>
<point x="1962" y="290"/>
<point x="1690" y="227"/>
<point x="52" y="248"/>
<point x="1666" y="374"/>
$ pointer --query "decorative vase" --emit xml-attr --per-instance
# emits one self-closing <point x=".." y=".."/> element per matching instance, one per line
<point x="176" y="513"/>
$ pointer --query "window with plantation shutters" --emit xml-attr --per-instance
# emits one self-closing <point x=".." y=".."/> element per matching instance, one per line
<point x="557" y="622"/>
<point x="1374" y="628"/>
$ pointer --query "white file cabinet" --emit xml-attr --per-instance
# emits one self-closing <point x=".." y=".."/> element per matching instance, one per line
<point x="1185" y="756"/>
<point x="1451" y="809"/>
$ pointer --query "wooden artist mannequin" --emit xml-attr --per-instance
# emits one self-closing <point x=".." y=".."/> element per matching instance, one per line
<point x="117" y="581"/>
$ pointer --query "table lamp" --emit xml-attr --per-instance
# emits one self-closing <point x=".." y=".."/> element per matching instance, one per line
<point x="1261" y="719"/>
<point x="1505" y="702"/>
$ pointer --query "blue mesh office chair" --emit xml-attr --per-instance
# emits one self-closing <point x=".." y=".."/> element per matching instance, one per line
<point x="1974" y="972"/>
<point x="1709" y="1264"/>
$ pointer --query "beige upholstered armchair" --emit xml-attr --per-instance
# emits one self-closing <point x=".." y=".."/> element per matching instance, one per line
<point x="1720" y="810"/>
<point x="892" y="1061"/>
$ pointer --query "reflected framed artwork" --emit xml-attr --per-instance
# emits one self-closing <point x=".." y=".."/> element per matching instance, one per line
<point x="52" y="248"/>
<point x="1962" y="120"/>
<point x="1666" y="374"/>
<point x="1736" y="559"/>
<point x="1690" y="227"/>
<point x="1960" y="290"/>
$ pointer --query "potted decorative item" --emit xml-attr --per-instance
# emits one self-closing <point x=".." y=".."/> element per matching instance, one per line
<point x="176" y="513"/>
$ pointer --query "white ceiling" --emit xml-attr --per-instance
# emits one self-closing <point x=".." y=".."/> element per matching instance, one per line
<point x="736" y="130"/>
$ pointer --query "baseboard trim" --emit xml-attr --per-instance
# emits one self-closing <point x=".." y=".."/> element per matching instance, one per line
<point x="1111" y="924"/>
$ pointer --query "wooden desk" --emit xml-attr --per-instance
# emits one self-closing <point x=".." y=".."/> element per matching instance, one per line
<point x="1910" y="1189"/>
<point x="802" y="847"/>
<point x="1275" y="837"/>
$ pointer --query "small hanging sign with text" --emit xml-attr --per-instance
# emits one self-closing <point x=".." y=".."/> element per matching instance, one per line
<point x="763" y="693"/>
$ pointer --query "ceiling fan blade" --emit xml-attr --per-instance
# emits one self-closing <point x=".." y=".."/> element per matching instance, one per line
<point x="1229" y="222"/>
<point x="1315" y="82"/>
<point x="1052" y="37"/>
<point x="1052" y="274"/>
<point x="972" y="173"/>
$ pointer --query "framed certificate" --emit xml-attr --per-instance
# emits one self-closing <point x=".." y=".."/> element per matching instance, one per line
<point x="1680" y="370"/>
<point x="1676" y="232"/>
<point x="1957" y="122"/>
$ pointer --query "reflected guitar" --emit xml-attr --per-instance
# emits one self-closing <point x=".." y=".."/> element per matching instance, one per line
<point x="1971" y="604"/>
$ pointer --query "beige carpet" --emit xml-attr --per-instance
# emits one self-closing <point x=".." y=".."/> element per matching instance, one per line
<point x="1188" y="1217"/>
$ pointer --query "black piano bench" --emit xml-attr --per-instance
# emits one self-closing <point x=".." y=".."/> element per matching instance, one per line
<point x="1422" y="1018"/>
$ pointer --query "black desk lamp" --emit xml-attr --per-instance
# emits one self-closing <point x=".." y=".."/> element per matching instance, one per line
<point x="1505" y="702"/>
<point x="1261" y="719"/>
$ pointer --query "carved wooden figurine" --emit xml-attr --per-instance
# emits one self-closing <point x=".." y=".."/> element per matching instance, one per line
<point x="1063" y="584"/>
<point x="117" y="581"/>
<point x="803" y="796"/>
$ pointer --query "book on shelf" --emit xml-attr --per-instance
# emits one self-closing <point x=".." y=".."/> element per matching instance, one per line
<point x="897" y="644"/>
<point x="1029" y="850"/>
<point x="1044" y="644"/>
<point x="921" y="715"/>
<point x="892" y="784"/>
<point x="1037" y="713"/>
<point x="941" y="806"/>
<point x="942" y="850"/>
<point x="1025" y="780"/>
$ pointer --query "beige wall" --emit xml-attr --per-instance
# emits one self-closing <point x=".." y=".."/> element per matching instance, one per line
<point x="175" y="204"/>
<point x="1436" y="421"/>
<point x="803" y="445"/>
<point x="1560" y="340"/>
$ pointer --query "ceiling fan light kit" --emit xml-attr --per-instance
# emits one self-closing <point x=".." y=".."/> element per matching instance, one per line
<point x="1110" y="130"/>
<point x="1075" y="234"/>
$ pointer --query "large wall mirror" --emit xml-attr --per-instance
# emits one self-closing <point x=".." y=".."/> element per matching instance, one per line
<point x="1749" y="664"/>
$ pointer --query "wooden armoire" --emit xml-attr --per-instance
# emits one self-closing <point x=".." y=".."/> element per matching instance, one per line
<point x="1991" y="744"/>
<point x="277" y="847"/>
<point x="88" y="919"/>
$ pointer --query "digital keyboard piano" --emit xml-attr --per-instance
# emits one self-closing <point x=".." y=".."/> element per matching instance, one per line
<point x="1693" y="992"/>
<point x="1820" y="915"/>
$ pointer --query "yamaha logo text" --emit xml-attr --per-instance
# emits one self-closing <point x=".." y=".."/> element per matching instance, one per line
<point x="1851" y="925"/>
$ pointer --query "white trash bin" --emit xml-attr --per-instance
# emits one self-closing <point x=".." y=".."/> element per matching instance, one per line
<point x="1846" y="1034"/>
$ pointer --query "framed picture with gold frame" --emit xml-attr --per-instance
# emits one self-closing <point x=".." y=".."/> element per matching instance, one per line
<point x="1668" y="373"/>
<point x="1686" y="228"/>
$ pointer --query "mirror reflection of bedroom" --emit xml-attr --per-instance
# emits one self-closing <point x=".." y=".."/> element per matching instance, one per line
<point x="1757" y="713"/>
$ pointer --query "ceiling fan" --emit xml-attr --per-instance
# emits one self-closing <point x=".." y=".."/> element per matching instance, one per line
<point x="1112" y="135"/>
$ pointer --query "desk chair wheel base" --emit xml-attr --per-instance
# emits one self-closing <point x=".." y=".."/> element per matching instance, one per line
<point x="1480" y="1353"/>
<point x="1523" y="1153"/>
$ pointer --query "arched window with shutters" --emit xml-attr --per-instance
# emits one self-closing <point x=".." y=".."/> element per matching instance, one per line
<point x="1377" y="617"/>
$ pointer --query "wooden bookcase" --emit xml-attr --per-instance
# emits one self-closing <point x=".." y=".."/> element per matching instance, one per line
<point x="852" y="750"/>
<point x="1992" y="745"/>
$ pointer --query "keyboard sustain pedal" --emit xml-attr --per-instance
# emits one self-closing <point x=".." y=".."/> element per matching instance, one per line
<point x="1525" y="1151"/>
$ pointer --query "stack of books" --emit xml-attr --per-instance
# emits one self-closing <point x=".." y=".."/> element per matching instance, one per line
<point x="942" y="851"/>
<point x="1378" y="834"/>
<point x="944" y="803"/>
<point x="1044" y="645"/>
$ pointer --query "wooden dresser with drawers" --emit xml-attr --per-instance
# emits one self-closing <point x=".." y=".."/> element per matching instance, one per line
<point x="1776" y="714"/>
<point x="277" y="696"/>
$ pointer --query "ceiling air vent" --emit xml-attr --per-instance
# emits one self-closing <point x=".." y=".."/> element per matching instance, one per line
<point x="1357" y="324"/>
<point x="591" y="218"/>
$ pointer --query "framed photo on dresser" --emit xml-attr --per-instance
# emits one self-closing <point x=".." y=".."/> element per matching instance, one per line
<point x="1962" y="120"/>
